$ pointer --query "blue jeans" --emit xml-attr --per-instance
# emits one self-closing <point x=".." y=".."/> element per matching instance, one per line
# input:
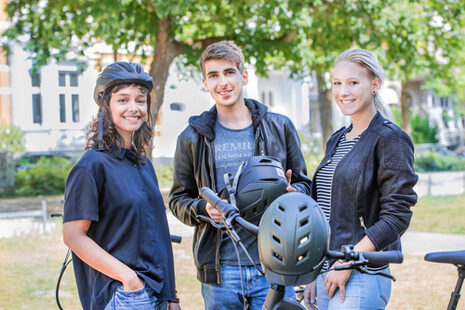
<point x="143" y="299"/>
<point x="228" y="295"/>
<point x="362" y="291"/>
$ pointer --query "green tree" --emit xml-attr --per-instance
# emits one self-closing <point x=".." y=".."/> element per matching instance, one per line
<point x="161" y="29"/>
<point x="11" y="139"/>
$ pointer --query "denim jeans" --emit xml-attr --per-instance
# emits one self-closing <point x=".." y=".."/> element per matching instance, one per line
<point x="228" y="295"/>
<point x="143" y="299"/>
<point x="362" y="291"/>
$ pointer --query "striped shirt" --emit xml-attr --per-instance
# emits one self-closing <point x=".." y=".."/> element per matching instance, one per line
<point x="324" y="177"/>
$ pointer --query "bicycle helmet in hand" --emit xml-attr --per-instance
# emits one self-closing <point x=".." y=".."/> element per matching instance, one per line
<point x="121" y="73"/>
<point x="257" y="183"/>
<point x="293" y="239"/>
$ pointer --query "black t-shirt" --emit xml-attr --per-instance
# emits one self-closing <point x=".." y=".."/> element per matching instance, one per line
<point x="124" y="203"/>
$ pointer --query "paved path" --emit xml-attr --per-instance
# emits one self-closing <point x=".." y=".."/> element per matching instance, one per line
<point x="420" y="243"/>
<point x="413" y="243"/>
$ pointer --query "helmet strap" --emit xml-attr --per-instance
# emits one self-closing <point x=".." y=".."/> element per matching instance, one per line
<point x="100" y="130"/>
<point x="231" y="183"/>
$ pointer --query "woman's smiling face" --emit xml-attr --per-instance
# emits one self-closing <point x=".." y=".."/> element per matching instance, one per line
<point x="353" y="88"/>
<point x="128" y="108"/>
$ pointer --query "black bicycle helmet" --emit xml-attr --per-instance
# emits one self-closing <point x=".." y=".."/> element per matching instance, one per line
<point x="257" y="183"/>
<point x="293" y="239"/>
<point x="121" y="73"/>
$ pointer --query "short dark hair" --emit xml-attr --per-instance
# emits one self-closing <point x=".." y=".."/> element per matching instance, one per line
<point x="222" y="50"/>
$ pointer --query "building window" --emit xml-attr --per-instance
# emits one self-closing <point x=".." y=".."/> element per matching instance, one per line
<point x="75" y="107"/>
<point x="62" y="109"/>
<point x="177" y="106"/>
<point x="35" y="79"/>
<point x="267" y="98"/>
<point x="68" y="81"/>
<point x="36" y="109"/>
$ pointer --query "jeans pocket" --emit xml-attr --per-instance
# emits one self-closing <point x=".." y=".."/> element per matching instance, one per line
<point x="120" y="290"/>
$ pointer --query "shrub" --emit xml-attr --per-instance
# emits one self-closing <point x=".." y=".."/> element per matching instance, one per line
<point x="422" y="131"/>
<point x="46" y="177"/>
<point x="433" y="161"/>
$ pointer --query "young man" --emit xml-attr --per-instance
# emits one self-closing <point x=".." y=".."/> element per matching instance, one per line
<point x="215" y="143"/>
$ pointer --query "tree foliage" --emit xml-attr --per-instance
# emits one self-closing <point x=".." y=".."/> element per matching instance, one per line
<point x="412" y="39"/>
<point x="11" y="139"/>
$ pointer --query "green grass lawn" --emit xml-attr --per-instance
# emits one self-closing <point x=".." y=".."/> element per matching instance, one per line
<point x="439" y="214"/>
<point x="29" y="266"/>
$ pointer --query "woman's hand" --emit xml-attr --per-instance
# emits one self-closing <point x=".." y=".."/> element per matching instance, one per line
<point x="289" y="187"/>
<point x="310" y="296"/>
<point x="336" y="279"/>
<point x="134" y="283"/>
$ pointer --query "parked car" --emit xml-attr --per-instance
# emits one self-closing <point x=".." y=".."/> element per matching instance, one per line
<point x="27" y="160"/>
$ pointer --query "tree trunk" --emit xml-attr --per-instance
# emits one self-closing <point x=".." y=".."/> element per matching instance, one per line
<point x="165" y="51"/>
<point x="405" y="100"/>
<point x="325" y="107"/>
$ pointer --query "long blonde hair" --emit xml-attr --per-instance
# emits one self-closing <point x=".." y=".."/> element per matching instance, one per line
<point x="368" y="61"/>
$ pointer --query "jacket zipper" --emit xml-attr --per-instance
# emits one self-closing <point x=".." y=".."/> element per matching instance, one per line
<point x="362" y="223"/>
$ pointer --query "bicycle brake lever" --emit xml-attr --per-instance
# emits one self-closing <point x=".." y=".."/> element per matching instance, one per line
<point x="227" y="222"/>
<point x="212" y="222"/>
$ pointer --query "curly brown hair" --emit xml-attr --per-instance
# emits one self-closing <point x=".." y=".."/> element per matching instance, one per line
<point x="111" y="138"/>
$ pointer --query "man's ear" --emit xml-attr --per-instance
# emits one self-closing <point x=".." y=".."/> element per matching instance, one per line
<point x="245" y="78"/>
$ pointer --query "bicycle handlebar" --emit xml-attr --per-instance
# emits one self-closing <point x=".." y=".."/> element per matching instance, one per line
<point x="348" y="254"/>
<point x="375" y="258"/>
<point x="231" y="212"/>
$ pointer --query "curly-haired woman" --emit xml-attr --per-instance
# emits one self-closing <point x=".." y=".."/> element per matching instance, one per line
<point x="114" y="217"/>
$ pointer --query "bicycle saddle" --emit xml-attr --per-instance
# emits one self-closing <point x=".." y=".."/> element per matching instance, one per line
<point x="451" y="257"/>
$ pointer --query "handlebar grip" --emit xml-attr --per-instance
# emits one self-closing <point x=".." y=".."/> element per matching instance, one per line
<point x="216" y="201"/>
<point x="383" y="258"/>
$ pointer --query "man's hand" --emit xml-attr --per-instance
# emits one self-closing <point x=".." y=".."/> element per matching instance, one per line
<point x="289" y="188"/>
<point x="174" y="306"/>
<point x="213" y="213"/>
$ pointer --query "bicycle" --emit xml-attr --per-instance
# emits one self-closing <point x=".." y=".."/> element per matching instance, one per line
<point x="456" y="258"/>
<point x="275" y="297"/>
<point x="68" y="259"/>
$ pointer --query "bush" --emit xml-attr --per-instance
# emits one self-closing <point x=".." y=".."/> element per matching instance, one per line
<point x="46" y="177"/>
<point x="422" y="132"/>
<point x="432" y="161"/>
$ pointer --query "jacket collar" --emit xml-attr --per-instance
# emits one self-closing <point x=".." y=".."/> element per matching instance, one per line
<point x="377" y="120"/>
<point x="204" y="123"/>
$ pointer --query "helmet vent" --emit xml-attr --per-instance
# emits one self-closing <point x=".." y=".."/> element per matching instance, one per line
<point x="302" y="208"/>
<point x="301" y="257"/>
<point x="280" y="207"/>
<point x="277" y="256"/>
<point x="269" y="179"/>
<point x="303" y="240"/>
<point x="276" y="239"/>
<point x="277" y="222"/>
<point x="265" y="160"/>
<point x="303" y="222"/>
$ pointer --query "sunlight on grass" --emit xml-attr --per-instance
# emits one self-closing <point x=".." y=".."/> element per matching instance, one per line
<point x="439" y="214"/>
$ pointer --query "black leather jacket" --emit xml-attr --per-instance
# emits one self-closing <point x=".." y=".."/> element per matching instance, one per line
<point x="275" y="135"/>
<point x="372" y="189"/>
